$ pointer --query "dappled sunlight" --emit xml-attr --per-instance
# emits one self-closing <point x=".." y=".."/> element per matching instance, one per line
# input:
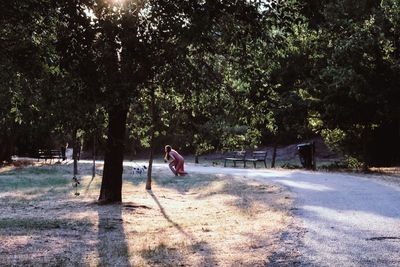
<point x="246" y="197"/>
<point x="198" y="220"/>
<point x="43" y="241"/>
<point x="211" y="189"/>
<point x="208" y="210"/>
<point x="305" y="185"/>
<point x="26" y="242"/>
<point x="16" y="243"/>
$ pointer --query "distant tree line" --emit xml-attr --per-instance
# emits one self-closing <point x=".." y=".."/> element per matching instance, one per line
<point x="199" y="75"/>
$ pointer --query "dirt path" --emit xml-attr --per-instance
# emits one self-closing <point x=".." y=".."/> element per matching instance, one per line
<point x="344" y="220"/>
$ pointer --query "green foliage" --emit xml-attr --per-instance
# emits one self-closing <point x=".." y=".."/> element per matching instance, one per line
<point x="26" y="53"/>
<point x="239" y="137"/>
<point x="354" y="83"/>
<point x="202" y="75"/>
<point x="349" y="163"/>
<point x="334" y="138"/>
<point x="275" y="104"/>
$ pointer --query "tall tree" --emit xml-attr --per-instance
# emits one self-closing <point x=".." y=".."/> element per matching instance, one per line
<point x="26" y="67"/>
<point x="270" y="78"/>
<point x="131" y="40"/>
<point x="355" y="79"/>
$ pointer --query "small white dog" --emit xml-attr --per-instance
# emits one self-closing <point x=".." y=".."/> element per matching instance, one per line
<point x="139" y="170"/>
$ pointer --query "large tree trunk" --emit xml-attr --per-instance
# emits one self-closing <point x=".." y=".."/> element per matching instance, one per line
<point x="365" y="164"/>
<point x="6" y="151"/>
<point x="7" y="145"/>
<point x="366" y="139"/>
<point x="111" y="185"/>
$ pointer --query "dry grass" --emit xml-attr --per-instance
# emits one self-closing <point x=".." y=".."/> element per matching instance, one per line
<point x="388" y="175"/>
<point x="197" y="220"/>
<point x="387" y="170"/>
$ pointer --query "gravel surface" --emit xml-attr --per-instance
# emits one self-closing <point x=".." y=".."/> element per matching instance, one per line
<point x="343" y="219"/>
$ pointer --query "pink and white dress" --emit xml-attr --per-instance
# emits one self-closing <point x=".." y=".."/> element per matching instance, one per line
<point x="178" y="162"/>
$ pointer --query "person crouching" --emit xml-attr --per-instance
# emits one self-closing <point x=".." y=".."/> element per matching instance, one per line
<point x="177" y="163"/>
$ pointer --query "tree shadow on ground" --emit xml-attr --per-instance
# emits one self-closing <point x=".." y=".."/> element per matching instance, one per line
<point x="195" y="245"/>
<point x="246" y="192"/>
<point x="112" y="246"/>
<point x="287" y="253"/>
<point x="43" y="242"/>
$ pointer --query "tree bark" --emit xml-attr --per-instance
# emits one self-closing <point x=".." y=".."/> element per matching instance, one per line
<point x="94" y="157"/>
<point x="153" y="126"/>
<point x="75" y="152"/>
<point x="314" y="164"/>
<point x="6" y="151"/>
<point x="365" y="163"/>
<point x="365" y="153"/>
<point x="274" y="154"/>
<point x="111" y="185"/>
<point x="149" y="171"/>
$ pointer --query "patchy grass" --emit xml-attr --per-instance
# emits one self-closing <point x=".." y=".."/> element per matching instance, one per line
<point x="196" y="220"/>
<point x="40" y="224"/>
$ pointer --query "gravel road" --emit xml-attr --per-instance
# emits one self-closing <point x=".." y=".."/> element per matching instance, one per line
<point x="342" y="219"/>
<point x="345" y="220"/>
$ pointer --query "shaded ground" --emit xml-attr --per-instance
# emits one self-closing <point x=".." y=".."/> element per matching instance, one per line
<point x="340" y="219"/>
<point x="213" y="217"/>
<point x="198" y="220"/>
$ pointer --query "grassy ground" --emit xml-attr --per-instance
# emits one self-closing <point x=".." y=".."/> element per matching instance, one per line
<point x="197" y="220"/>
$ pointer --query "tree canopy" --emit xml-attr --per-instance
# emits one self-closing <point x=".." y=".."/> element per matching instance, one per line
<point x="200" y="75"/>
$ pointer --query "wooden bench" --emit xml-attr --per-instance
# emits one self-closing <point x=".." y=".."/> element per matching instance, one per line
<point x="258" y="156"/>
<point x="236" y="156"/>
<point x="49" y="154"/>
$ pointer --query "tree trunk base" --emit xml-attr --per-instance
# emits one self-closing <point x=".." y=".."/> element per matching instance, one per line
<point x="107" y="202"/>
